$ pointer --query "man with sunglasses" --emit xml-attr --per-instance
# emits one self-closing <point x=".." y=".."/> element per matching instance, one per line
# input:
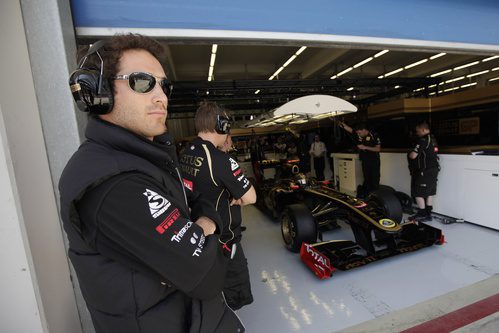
<point x="209" y="170"/>
<point x="146" y="250"/>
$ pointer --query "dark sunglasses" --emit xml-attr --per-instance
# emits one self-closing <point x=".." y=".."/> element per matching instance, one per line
<point x="143" y="83"/>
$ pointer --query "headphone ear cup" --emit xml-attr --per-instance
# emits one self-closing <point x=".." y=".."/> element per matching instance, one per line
<point x="84" y="84"/>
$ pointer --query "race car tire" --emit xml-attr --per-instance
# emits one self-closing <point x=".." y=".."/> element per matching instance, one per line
<point x="389" y="202"/>
<point x="297" y="226"/>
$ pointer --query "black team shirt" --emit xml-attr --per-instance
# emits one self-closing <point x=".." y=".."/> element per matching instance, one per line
<point x="220" y="179"/>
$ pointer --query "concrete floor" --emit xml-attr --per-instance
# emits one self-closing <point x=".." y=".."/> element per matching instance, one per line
<point x="289" y="298"/>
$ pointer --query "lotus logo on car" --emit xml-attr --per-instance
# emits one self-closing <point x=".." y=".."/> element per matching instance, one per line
<point x="387" y="223"/>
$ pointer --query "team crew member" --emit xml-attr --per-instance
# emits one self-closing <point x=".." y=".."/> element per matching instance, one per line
<point x="145" y="249"/>
<point x="369" y="146"/>
<point x="214" y="173"/>
<point x="425" y="155"/>
<point x="318" y="152"/>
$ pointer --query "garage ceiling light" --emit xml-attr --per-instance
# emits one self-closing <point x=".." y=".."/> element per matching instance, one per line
<point x="478" y="73"/>
<point x="441" y="73"/>
<point x="451" y="89"/>
<point x="490" y="58"/>
<point x="468" y="85"/>
<point x="357" y="65"/>
<point x="379" y="54"/>
<point x="494" y="69"/>
<point x="214" y="49"/>
<point x="456" y="79"/>
<point x="290" y="60"/>
<point x="258" y="91"/>
<point x="350" y="89"/>
<point x="466" y="65"/>
<point x="494" y="79"/>
<point x="437" y="56"/>
<point x="414" y="64"/>
<point x="363" y="62"/>
<point x="394" y="72"/>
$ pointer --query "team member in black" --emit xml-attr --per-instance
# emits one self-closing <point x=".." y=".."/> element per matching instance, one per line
<point x="425" y="171"/>
<point x="369" y="146"/>
<point x="210" y="171"/>
<point x="143" y="247"/>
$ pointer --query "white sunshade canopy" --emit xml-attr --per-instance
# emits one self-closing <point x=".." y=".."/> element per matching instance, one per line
<point x="303" y="109"/>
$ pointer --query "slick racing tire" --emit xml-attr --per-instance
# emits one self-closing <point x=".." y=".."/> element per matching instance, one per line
<point x="297" y="226"/>
<point x="389" y="203"/>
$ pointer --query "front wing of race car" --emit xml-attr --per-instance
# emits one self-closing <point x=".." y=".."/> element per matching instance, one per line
<point x="325" y="257"/>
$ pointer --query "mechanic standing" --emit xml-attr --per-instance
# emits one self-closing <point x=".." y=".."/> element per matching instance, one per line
<point x="425" y="171"/>
<point x="369" y="146"/>
<point x="318" y="152"/>
<point x="208" y="170"/>
<point x="145" y="249"/>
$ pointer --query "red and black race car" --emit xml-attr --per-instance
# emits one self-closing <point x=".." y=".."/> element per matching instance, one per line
<point x="306" y="209"/>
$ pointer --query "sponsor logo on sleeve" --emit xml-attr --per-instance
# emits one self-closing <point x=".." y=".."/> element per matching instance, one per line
<point x="199" y="242"/>
<point x="246" y="183"/>
<point x="240" y="178"/>
<point x="233" y="164"/>
<point x="177" y="237"/>
<point x="157" y="203"/>
<point x="188" y="184"/>
<point x="168" y="221"/>
<point x="237" y="172"/>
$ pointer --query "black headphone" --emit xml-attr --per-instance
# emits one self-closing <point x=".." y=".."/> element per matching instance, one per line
<point x="222" y="125"/>
<point x="91" y="91"/>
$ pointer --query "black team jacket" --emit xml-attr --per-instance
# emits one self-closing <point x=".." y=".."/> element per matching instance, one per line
<point x="142" y="263"/>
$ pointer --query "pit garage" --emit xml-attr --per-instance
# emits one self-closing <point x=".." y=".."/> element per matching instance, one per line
<point x="359" y="263"/>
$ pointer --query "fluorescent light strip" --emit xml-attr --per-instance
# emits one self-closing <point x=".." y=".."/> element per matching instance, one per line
<point x="214" y="49"/>
<point x="456" y="79"/>
<point x="468" y="85"/>
<point x="422" y="61"/>
<point x="379" y="54"/>
<point x="419" y="89"/>
<point x="441" y="73"/>
<point x="477" y="73"/>
<point x="416" y="63"/>
<point x="257" y="92"/>
<point x="344" y="72"/>
<point x="490" y="58"/>
<point x="363" y="62"/>
<point x="437" y="56"/>
<point x="432" y="86"/>
<point x="494" y="79"/>
<point x="466" y="65"/>
<point x="293" y="57"/>
<point x="350" y="89"/>
<point x="433" y="93"/>
<point x="494" y="69"/>
<point x="395" y="71"/>
<point x="451" y="89"/>
<point x="396" y="87"/>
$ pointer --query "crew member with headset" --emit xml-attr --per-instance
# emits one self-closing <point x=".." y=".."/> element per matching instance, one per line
<point x="208" y="170"/>
<point x="369" y="146"/>
<point x="425" y="171"/>
<point x="145" y="250"/>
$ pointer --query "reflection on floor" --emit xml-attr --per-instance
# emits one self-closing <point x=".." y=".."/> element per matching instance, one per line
<point x="289" y="298"/>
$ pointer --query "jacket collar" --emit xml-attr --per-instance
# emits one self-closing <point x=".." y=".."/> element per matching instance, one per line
<point x="159" y="151"/>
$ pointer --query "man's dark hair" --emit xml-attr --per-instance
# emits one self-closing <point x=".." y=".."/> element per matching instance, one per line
<point x="206" y="116"/>
<point x="113" y="50"/>
<point x="423" y="125"/>
<point x="360" y="126"/>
